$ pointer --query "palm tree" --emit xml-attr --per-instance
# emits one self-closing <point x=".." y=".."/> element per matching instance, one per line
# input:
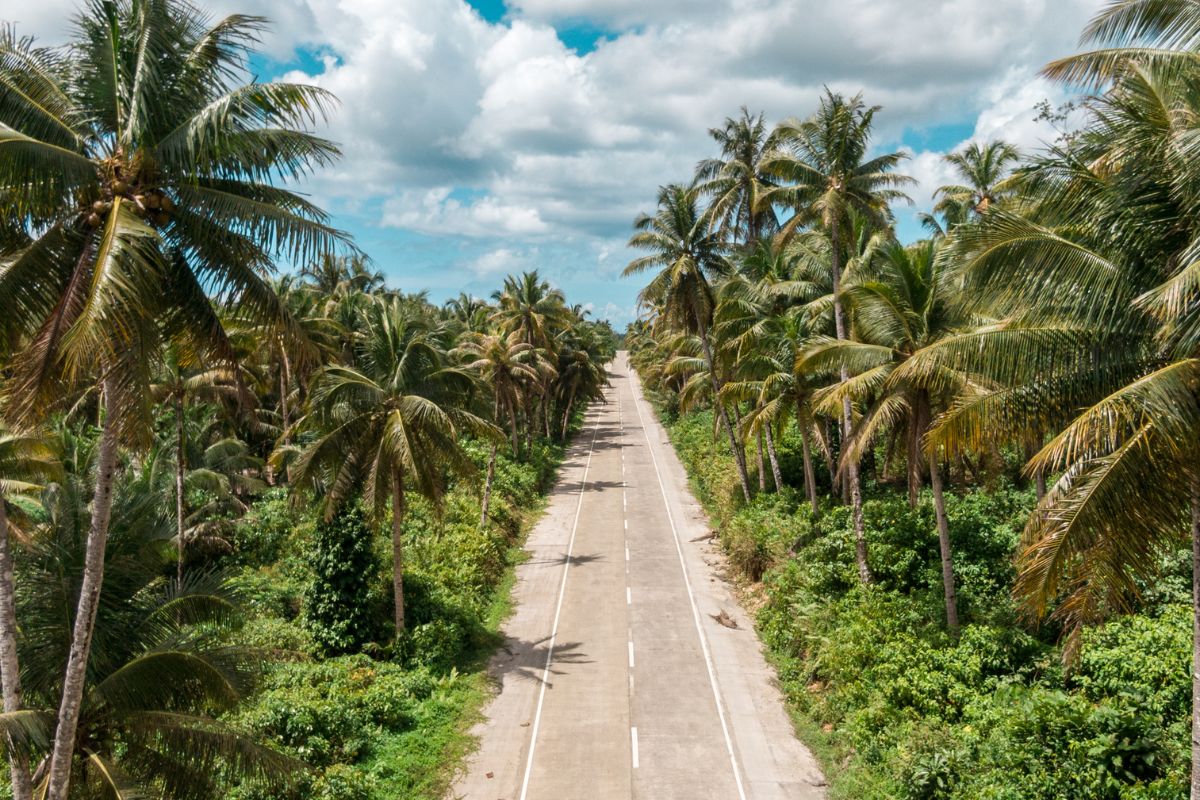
<point x="390" y="426"/>
<point x="687" y="254"/>
<point x="827" y="177"/>
<point x="530" y="308"/>
<point x="736" y="181"/>
<point x="986" y="171"/>
<point x="898" y="308"/>
<point x="504" y="365"/>
<point x="140" y="164"/>
<point x="160" y="669"/>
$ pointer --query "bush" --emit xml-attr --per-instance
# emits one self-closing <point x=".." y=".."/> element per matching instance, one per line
<point x="338" y="607"/>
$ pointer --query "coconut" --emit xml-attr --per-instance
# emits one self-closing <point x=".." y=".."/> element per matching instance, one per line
<point x="167" y="204"/>
<point x="93" y="219"/>
<point x="153" y="200"/>
<point x="120" y="187"/>
<point x="98" y="206"/>
<point x="162" y="218"/>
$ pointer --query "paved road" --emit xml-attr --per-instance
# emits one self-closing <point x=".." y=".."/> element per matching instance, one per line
<point x="616" y="682"/>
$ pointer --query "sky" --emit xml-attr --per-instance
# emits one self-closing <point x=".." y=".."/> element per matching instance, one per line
<point x="487" y="137"/>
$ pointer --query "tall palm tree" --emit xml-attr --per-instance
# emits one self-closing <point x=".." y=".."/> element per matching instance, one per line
<point x="160" y="670"/>
<point x="535" y="312"/>
<point x="826" y="175"/>
<point x="898" y="308"/>
<point x="504" y="365"/>
<point x="736" y="181"/>
<point x="389" y="426"/>
<point x="139" y="161"/>
<point x="687" y="255"/>
<point x="986" y="172"/>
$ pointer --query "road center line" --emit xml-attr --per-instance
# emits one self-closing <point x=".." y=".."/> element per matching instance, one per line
<point x="628" y="596"/>
<point x="634" y="742"/>
<point x="708" y="662"/>
<point x="562" y="592"/>
<point x="631" y="655"/>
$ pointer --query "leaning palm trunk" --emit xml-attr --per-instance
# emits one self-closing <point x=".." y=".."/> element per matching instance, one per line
<point x="1195" y="639"/>
<point x="10" y="668"/>
<point x="854" y="487"/>
<point x="943" y="526"/>
<point x="487" y="487"/>
<point x="398" y="548"/>
<point x="776" y="473"/>
<point x="75" y="677"/>
<point x="738" y="456"/>
<point x="567" y="415"/>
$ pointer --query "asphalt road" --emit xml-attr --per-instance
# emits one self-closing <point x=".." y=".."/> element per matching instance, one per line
<point x="616" y="681"/>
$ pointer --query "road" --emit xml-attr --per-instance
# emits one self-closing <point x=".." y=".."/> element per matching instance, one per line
<point x="616" y="681"/>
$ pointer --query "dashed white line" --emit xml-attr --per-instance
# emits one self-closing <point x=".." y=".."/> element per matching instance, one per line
<point x="628" y="596"/>
<point x="626" y="524"/>
<point x="634" y="743"/>
<point x="631" y="655"/>
<point x="626" y="552"/>
<point x="562" y="591"/>
<point x="708" y="661"/>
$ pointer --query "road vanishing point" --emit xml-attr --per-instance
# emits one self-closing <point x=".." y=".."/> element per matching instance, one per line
<point x="617" y="680"/>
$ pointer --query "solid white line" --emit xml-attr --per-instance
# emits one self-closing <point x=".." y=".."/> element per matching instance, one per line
<point x="708" y="662"/>
<point x="633" y="742"/>
<point x="562" y="591"/>
<point x="631" y="655"/>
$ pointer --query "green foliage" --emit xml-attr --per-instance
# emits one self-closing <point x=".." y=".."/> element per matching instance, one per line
<point x="904" y="710"/>
<point x="338" y="604"/>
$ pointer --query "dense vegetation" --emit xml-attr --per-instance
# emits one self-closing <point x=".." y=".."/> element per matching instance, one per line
<point x="254" y="530"/>
<point x="964" y="468"/>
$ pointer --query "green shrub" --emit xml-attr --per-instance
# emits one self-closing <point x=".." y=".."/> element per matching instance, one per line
<point x="338" y="607"/>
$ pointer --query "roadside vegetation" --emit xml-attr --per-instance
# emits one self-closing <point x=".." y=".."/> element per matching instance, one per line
<point x="961" y="473"/>
<point x="255" y="528"/>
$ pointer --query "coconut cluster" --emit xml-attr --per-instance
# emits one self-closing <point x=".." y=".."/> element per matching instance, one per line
<point x="152" y="203"/>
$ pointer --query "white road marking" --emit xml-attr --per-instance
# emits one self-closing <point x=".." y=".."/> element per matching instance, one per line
<point x="562" y="591"/>
<point x="628" y="596"/>
<point x="626" y="552"/>
<point x="626" y="524"/>
<point x="631" y="655"/>
<point x="633" y="741"/>
<point x="712" y="677"/>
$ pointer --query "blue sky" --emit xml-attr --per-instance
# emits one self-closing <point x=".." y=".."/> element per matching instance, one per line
<point x="491" y="137"/>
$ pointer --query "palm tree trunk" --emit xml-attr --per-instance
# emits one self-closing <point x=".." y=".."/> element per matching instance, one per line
<point x="810" y="475"/>
<point x="1195" y="639"/>
<point x="739" y="457"/>
<point x="487" y="487"/>
<point x="839" y="319"/>
<point x="775" y="471"/>
<point x="75" y="677"/>
<point x="398" y="548"/>
<point x="762" y="467"/>
<point x="10" y="666"/>
<point x="914" y="462"/>
<point x="180" y="466"/>
<point x="943" y="525"/>
<point x="567" y="415"/>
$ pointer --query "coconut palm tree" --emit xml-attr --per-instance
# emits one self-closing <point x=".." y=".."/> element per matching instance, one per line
<point x="160" y="669"/>
<point x="901" y="306"/>
<point x="139" y="162"/>
<point x="504" y="365"/>
<point x="825" y="175"/>
<point x="736" y="181"/>
<point x="687" y="255"/>
<point x="986" y="171"/>
<point x="390" y="426"/>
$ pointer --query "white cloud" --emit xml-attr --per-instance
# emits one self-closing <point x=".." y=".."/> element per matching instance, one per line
<point x="500" y="134"/>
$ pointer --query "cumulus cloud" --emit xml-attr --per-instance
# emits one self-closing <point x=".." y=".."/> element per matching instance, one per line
<point x="500" y="134"/>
